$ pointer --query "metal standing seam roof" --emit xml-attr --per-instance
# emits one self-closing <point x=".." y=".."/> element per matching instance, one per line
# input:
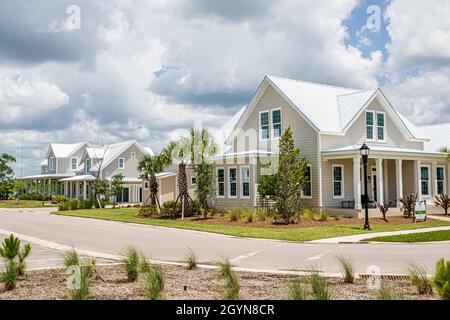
<point x="439" y="135"/>
<point x="65" y="150"/>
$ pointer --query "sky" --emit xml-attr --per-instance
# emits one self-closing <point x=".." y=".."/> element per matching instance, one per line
<point x="108" y="71"/>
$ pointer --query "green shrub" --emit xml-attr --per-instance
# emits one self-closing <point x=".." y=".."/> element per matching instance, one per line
<point x="248" y="215"/>
<point x="231" y="288"/>
<point x="419" y="279"/>
<point x="338" y="217"/>
<point x="324" y="215"/>
<point x="347" y="269"/>
<point x="82" y="286"/>
<point x="297" y="290"/>
<point x="234" y="214"/>
<point x="319" y="287"/>
<point x="171" y="209"/>
<point x="155" y="283"/>
<point x="149" y="211"/>
<point x="74" y="204"/>
<point x="309" y="213"/>
<point x="195" y="207"/>
<point x="87" y="204"/>
<point x="131" y="263"/>
<point x="191" y="260"/>
<point x="9" y="276"/>
<point x="261" y="214"/>
<point x="441" y="279"/>
<point x="58" y="199"/>
<point x="64" y="205"/>
<point x="34" y="196"/>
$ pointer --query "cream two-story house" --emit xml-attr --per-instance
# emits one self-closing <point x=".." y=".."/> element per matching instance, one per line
<point x="329" y="125"/>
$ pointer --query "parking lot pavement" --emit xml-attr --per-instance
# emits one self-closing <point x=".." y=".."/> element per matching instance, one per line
<point x="42" y="257"/>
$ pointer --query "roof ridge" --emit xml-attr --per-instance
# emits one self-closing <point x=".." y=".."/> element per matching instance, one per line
<point x="315" y="83"/>
<point x="361" y="91"/>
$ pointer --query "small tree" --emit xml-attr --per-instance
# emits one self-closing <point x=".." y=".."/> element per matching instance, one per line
<point x="206" y="185"/>
<point x="408" y="202"/>
<point x="117" y="187"/>
<point x="6" y="175"/>
<point x="383" y="209"/>
<point x="290" y="178"/>
<point x="149" y="167"/>
<point x="443" y="201"/>
<point x="100" y="188"/>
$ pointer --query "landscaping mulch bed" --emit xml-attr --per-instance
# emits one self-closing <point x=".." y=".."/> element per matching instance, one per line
<point x="304" y="222"/>
<point x="200" y="284"/>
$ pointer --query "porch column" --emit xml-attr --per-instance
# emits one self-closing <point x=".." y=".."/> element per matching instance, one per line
<point x="84" y="190"/>
<point x="77" y="190"/>
<point x="399" y="179"/>
<point x="380" y="184"/>
<point x="434" y="190"/>
<point x="357" y="181"/>
<point x="417" y="174"/>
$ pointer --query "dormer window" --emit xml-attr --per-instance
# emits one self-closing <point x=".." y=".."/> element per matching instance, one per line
<point x="51" y="163"/>
<point x="74" y="163"/>
<point x="88" y="165"/>
<point x="121" y="163"/>
<point x="375" y="126"/>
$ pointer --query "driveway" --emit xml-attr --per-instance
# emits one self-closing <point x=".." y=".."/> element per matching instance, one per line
<point x="106" y="239"/>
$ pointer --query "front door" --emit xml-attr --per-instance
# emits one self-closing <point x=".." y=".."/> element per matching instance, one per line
<point x="126" y="195"/>
<point x="140" y="194"/>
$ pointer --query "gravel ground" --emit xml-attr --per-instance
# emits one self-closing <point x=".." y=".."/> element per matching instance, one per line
<point x="200" y="284"/>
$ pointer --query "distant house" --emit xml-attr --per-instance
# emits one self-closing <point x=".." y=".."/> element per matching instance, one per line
<point x="330" y="124"/>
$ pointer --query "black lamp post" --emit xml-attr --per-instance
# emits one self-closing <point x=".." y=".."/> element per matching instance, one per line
<point x="364" y="151"/>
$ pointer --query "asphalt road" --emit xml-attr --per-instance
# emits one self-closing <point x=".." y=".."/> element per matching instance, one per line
<point x="103" y="238"/>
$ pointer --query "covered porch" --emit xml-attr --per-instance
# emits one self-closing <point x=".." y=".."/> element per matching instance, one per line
<point x="78" y="187"/>
<point x="44" y="183"/>
<point x="391" y="173"/>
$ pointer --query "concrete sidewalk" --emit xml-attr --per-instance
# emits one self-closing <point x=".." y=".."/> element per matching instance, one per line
<point x="358" y="237"/>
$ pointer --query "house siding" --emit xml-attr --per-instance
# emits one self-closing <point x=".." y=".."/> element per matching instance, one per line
<point x="327" y="182"/>
<point x="131" y="164"/>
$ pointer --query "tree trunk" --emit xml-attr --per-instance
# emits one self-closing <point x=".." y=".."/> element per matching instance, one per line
<point x="183" y="190"/>
<point x="154" y="191"/>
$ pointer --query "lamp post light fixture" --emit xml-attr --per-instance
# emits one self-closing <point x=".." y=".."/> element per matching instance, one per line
<point x="364" y="151"/>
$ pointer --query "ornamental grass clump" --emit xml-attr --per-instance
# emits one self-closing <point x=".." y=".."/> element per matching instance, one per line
<point x="297" y="290"/>
<point x="231" y="288"/>
<point x="347" y="268"/>
<point x="441" y="279"/>
<point x="420" y="279"/>
<point x="155" y="283"/>
<point x="234" y="214"/>
<point x="131" y="260"/>
<point x="191" y="260"/>
<point x="319" y="287"/>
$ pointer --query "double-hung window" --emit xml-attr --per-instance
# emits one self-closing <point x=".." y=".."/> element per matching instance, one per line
<point x="220" y="182"/>
<point x="425" y="180"/>
<point x="375" y="126"/>
<point x="440" y="180"/>
<point x="74" y="163"/>
<point x="245" y="182"/>
<point x="232" y="182"/>
<point x="276" y="123"/>
<point x="51" y="163"/>
<point x="381" y="123"/>
<point x="264" y="125"/>
<point x="338" y="181"/>
<point x="306" y="189"/>
<point x="121" y="163"/>
<point x="88" y="165"/>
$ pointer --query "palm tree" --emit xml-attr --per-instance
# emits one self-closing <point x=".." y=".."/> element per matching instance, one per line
<point x="150" y="166"/>
<point x="202" y="148"/>
<point x="180" y="152"/>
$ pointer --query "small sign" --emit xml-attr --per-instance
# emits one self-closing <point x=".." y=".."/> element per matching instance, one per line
<point x="420" y="211"/>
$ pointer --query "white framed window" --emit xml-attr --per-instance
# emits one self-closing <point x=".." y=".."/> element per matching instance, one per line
<point x="245" y="182"/>
<point x="440" y="179"/>
<point x="376" y="126"/>
<point x="425" y="181"/>
<point x="88" y="165"/>
<point x="232" y="182"/>
<point x="338" y="181"/>
<point x="276" y="123"/>
<point x="51" y="163"/>
<point x="74" y="163"/>
<point x="306" y="192"/>
<point x="381" y="126"/>
<point x="264" y="126"/>
<point x="370" y="125"/>
<point x="133" y="155"/>
<point x="121" y="163"/>
<point x="220" y="182"/>
<point x="193" y="180"/>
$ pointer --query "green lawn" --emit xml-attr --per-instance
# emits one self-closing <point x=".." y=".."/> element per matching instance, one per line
<point x="415" y="237"/>
<point x="293" y="234"/>
<point x="24" y="204"/>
